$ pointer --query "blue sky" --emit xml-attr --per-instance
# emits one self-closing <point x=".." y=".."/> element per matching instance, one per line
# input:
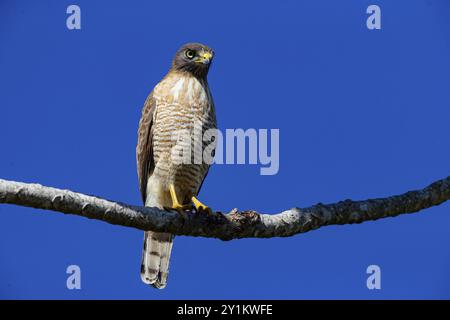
<point x="361" y="114"/>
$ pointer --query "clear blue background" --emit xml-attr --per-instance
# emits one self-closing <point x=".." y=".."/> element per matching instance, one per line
<point x="361" y="114"/>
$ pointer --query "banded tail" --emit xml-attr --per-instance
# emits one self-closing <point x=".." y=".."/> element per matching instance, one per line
<point x="155" y="258"/>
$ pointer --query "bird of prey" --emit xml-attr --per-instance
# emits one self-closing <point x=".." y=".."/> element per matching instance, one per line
<point x="178" y="102"/>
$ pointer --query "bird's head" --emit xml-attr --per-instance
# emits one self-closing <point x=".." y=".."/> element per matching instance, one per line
<point x="194" y="58"/>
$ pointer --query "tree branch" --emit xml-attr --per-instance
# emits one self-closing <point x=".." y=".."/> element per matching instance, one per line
<point x="236" y="224"/>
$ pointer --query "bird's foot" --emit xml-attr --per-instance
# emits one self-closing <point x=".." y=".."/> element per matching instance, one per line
<point x="200" y="207"/>
<point x="181" y="209"/>
<point x="176" y="205"/>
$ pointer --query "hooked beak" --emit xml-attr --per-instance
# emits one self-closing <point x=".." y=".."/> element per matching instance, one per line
<point x="205" y="58"/>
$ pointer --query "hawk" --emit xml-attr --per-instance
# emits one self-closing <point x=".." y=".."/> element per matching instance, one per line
<point x="179" y="102"/>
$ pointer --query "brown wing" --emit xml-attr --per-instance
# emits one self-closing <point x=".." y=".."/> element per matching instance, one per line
<point x="144" y="148"/>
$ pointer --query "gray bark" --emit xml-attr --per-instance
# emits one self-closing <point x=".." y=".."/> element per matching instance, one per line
<point x="234" y="225"/>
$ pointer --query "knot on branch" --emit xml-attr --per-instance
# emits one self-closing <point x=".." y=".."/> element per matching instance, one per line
<point x="244" y="219"/>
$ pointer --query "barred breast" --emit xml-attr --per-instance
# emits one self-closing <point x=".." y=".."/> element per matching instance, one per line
<point x="184" y="107"/>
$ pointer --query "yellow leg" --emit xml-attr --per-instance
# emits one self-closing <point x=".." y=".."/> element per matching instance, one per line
<point x="200" y="206"/>
<point x="175" y="204"/>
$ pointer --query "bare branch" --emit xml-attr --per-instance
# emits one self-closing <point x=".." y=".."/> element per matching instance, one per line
<point x="236" y="224"/>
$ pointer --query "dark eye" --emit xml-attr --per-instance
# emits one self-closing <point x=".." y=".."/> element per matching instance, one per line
<point x="189" y="53"/>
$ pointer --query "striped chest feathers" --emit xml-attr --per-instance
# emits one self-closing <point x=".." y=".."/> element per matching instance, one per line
<point x="184" y="96"/>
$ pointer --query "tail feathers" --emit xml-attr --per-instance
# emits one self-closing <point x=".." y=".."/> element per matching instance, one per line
<point x="155" y="258"/>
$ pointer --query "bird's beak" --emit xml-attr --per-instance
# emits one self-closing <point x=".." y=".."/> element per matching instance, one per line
<point x="205" y="58"/>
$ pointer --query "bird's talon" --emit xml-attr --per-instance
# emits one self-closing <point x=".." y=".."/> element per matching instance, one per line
<point x="182" y="209"/>
<point x="200" y="207"/>
<point x="207" y="210"/>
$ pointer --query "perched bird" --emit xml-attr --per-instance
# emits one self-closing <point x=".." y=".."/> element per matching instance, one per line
<point x="179" y="101"/>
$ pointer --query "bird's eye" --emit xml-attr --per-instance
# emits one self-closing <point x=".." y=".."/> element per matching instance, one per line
<point x="189" y="53"/>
